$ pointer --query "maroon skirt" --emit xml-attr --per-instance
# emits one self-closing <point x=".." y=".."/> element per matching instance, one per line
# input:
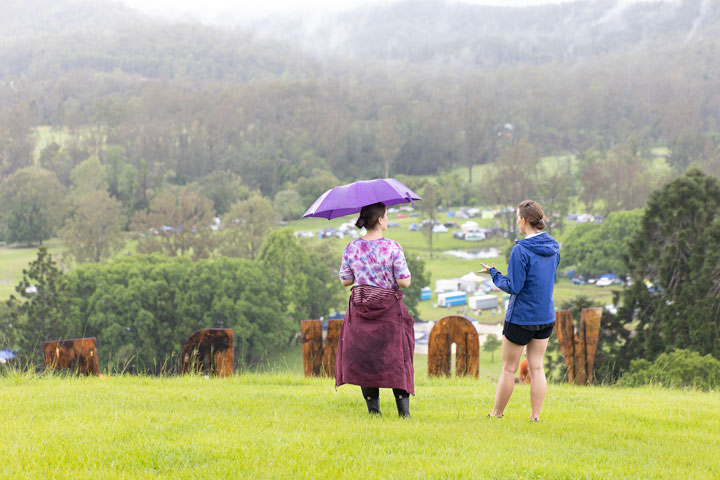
<point x="377" y="341"/>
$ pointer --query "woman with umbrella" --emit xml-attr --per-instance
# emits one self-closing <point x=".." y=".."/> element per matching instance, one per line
<point x="377" y="340"/>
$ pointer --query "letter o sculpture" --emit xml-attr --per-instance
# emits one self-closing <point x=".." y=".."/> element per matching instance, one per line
<point x="462" y="333"/>
<point x="209" y="350"/>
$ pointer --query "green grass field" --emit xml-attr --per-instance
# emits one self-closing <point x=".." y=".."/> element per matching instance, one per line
<point x="282" y="425"/>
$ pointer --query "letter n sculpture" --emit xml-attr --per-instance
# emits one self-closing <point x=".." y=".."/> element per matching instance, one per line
<point x="78" y="354"/>
<point x="462" y="333"/>
<point x="579" y="349"/>
<point x="210" y="351"/>
<point x="319" y="359"/>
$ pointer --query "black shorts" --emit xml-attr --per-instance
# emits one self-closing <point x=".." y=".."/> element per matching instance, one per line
<point x="520" y="335"/>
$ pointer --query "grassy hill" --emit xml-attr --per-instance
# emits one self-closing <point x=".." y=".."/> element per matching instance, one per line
<point x="283" y="425"/>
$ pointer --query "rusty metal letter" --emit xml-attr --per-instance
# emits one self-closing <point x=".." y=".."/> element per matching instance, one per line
<point x="330" y="347"/>
<point x="462" y="333"/>
<point x="579" y="349"/>
<point x="311" y="331"/>
<point x="78" y="354"/>
<point x="318" y="358"/>
<point x="210" y="350"/>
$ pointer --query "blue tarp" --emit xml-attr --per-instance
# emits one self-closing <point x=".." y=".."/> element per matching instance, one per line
<point x="7" y="354"/>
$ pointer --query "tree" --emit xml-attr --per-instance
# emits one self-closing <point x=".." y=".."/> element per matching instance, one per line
<point x="323" y="277"/>
<point x="676" y="251"/>
<point x="419" y="280"/>
<point x="40" y="312"/>
<point x="491" y="345"/>
<point x="33" y="206"/>
<point x="224" y="189"/>
<point x="16" y="141"/>
<point x="429" y="208"/>
<point x="93" y="232"/>
<point x="314" y="185"/>
<point x="619" y="179"/>
<point x="88" y="176"/>
<point x="451" y="190"/>
<point x="289" y="204"/>
<point x="554" y="188"/>
<point x="595" y="249"/>
<point x="122" y="179"/>
<point x="59" y="161"/>
<point x="288" y="266"/>
<point x="512" y="179"/>
<point x="246" y="226"/>
<point x="178" y="222"/>
<point x="388" y="137"/>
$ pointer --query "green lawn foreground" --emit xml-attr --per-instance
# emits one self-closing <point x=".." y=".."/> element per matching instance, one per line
<point x="283" y="425"/>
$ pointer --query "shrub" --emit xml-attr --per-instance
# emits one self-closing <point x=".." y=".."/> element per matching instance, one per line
<point x="676" y="369"/>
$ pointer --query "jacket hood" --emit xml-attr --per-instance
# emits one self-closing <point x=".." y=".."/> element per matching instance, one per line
<point x="542" y="244"/>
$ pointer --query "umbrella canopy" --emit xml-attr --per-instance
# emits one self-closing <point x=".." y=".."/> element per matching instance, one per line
<point x="349" y="199"/>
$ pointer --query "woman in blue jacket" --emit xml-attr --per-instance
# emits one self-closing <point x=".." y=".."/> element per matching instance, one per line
<point x="530" y="315"/>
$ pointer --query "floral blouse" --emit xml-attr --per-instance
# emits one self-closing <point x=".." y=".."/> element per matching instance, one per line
<point x="374" y="262"/>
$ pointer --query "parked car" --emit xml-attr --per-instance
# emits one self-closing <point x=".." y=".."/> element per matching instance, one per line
<point x="604" y="282"/>
<point x="577" y="281"/>
<point x="459" y="235"/>
<point x="474" y="237"/>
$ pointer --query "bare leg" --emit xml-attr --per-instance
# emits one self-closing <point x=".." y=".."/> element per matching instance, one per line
<point x="538" y="385"/>
<point x="511" y="354"/>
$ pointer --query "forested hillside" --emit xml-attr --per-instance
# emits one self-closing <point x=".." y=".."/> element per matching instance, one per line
<point x="461" y="34"/>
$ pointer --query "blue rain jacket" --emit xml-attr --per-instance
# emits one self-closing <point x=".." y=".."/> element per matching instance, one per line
<point x="530" y="280"/>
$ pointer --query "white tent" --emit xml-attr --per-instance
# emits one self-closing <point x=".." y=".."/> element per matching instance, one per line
<point x="473" y="277"/>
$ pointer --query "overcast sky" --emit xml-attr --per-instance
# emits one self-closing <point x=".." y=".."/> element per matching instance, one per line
<point x="220" y="10"/>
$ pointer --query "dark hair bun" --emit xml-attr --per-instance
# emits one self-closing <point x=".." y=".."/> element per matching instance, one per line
<point x="540" y="224"/>
<point x="360" y="222"/>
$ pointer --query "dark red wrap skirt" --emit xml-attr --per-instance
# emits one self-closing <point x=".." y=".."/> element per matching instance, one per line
<point x="377" y="341"/>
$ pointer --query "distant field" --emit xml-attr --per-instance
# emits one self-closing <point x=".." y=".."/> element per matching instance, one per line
<point x="14" y="260"/>
<point x="448" y="266"/>
<point x="282" y="425"/>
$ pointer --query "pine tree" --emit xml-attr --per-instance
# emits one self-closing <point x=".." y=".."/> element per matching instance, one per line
<point x="674" y="261"/>
<point x="40" y="312"/>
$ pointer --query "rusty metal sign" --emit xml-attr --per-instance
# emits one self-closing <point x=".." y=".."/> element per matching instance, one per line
<point x="462" y="333"/>
<point x="579" y="349"/>
<point x="210" y="351"/>
<point x="79" y="354"/>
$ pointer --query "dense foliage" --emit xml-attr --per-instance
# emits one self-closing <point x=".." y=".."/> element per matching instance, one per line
<point x="676" y="250"/>
<point x="676" y="369"/>
<point x="596" y="249"/>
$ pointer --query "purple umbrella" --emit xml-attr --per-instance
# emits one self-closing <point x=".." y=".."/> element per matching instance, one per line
<point x="349" y="199"/>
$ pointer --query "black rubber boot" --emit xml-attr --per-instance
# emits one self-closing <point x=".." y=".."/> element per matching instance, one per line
<point x="372" y="399"/>
<point x="402" y="400"/>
